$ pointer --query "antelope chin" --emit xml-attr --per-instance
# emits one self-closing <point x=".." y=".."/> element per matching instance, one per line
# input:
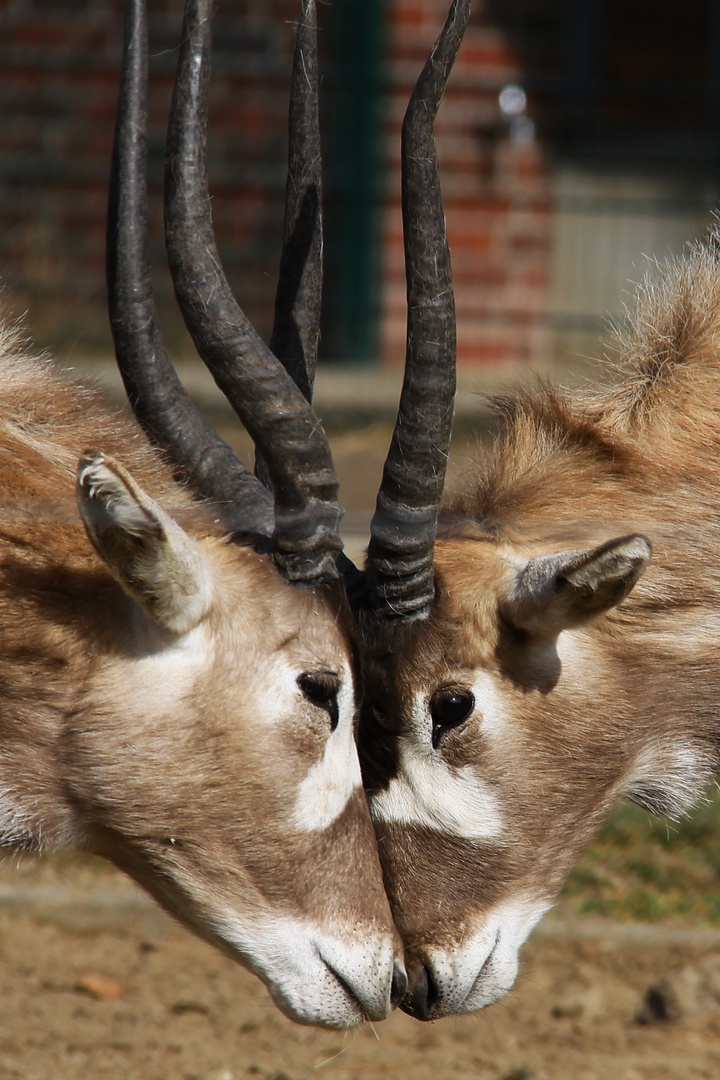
<point x="478" y="972"/>
<point x="335" y="980"/>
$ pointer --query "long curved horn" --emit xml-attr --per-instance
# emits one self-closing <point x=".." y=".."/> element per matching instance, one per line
<point x="158" y="398"/>
<point x="296" y="325"/>
<point x="282" y="424"/>
<point x="296" y="328"/>
<point x="400" y="555"/>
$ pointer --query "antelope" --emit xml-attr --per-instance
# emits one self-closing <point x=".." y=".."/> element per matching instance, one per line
<point x="176" y="647"/>
<point x="526" y="663"/>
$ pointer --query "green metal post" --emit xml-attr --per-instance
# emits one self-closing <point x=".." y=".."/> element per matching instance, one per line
<point x="351" y="89"/>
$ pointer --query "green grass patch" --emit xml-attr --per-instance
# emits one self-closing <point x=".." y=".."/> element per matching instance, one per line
<point x="646" y="868"/>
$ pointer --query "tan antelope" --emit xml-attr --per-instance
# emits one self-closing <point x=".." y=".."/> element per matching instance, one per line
<point x="526" y="663"/>
<point x="176" y="659"/>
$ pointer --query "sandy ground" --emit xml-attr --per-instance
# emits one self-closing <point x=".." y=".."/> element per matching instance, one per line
<point x="96" y="983"/>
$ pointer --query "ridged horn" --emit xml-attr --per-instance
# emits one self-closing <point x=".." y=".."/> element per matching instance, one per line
<point x="400" y="555"/>
<point x="296" y="325"/>
<point x="157" y="396"/>
<point x="283" y="426"/>
<point x="296" y="328"/>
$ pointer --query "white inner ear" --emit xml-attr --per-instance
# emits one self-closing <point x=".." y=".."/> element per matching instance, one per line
<point x="167" y="573"/>
<point x="98" y="482"/>
<point x="555" y="592"/>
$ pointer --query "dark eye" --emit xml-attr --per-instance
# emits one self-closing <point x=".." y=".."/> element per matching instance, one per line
<point x="449" y="708"/>
<point x="321" y="688"/>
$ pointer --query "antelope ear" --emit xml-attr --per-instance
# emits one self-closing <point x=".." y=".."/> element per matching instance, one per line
<point x="154" y="560"/>
<point x="556" y="592"/>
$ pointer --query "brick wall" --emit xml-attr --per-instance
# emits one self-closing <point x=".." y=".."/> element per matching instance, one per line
<point x="58" y="86"/>
<point x="496" y="193"/>
<point x="58" y="79"/>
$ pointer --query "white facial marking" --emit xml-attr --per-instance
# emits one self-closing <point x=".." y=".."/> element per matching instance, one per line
<point x="432" y="794"/>
<point x="489" y="704"/>
<point x="328" y="786"/>
<point x="316" y="977"/>
<point x="482" y="969"/>
<point x="668" y="774"/>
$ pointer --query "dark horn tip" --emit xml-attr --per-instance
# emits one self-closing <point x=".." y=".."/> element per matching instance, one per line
<point x="400" y="557"/>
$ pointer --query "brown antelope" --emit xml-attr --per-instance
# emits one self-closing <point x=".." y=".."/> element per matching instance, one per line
<point x="526" y="664"/>
<point x="177" y="672"/>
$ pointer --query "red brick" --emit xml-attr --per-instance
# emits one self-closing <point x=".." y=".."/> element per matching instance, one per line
<point x="496" y="193"/>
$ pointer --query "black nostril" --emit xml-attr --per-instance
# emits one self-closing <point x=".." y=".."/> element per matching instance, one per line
<point x="399" y="985"/>
<point x="424" y="998"/>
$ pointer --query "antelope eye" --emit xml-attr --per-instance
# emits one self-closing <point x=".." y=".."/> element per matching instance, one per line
<point x="449" y="708"/>
<point x="321" y="689"/>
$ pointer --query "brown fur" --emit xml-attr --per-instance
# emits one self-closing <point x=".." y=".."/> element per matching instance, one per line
<point x="174" y="757"/>
<point x="626" y="703"/>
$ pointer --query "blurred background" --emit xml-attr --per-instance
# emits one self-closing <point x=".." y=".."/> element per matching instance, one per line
<point x="577" y="139"/>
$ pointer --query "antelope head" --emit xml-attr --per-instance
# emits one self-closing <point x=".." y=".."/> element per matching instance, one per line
<point x="484" y="768"/>
<point x="211" y="750"/>
<point x="485" y="760"/>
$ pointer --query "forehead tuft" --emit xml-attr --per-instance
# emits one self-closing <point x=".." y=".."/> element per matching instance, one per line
<point x="250" y="588"/>
<point x="462" y="630"/>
